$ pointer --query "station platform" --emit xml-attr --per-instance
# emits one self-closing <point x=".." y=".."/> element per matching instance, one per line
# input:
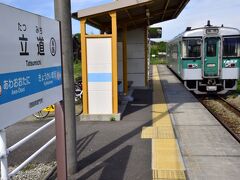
<point x="208" y="150"/>
<point x="165" y="133"/>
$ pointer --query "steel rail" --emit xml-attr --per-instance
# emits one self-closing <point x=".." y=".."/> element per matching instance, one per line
<point x="224" y="124"/>
<point x="235" y="109"/>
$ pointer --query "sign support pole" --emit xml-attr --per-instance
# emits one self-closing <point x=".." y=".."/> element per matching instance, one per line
<point x="3" y="155"/>
<point x="60" y="142"/>
<point x="63" y="14"/>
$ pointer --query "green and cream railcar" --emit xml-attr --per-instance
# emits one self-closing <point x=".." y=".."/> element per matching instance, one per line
<point x="206" y="59"/>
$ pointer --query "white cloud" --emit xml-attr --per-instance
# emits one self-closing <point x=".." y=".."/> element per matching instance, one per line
<point x="198" y="12"/>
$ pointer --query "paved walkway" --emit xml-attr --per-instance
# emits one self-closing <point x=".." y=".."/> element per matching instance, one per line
<point x="166" y="158"/>
<point x="105" y="150"/>
<point x="209" y="151"/>
<point x="115" y="150"/>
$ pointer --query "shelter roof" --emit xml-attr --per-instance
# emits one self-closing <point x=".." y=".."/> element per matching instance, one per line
<point x="132" y="13"/>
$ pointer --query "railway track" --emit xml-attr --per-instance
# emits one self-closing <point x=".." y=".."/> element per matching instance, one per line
<point x="226" y="113"/>
<point x="229" y="105"/>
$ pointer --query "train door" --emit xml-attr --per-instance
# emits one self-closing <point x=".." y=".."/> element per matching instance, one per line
<point x="179" y="46"/>
<point x="211" y="56"/>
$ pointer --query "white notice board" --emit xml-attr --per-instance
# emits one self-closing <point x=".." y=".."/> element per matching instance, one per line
<point x="30" y="71"/>
<point x="99" y="62"/>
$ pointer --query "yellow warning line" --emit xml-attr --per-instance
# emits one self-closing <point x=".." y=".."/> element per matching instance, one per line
<point x="166" y="158"/>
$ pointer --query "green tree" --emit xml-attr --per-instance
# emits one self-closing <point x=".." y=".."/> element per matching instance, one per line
<point x="158" y="47"/>
<point x="162" y="46"/>
<point x="76" y="47"/>
<point x="154" y="49"/>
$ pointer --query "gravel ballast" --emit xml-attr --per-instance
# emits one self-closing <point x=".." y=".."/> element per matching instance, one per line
<point x="34" y="171"/>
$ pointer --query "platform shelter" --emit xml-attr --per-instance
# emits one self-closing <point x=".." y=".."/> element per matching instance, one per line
<point x="118" y="56"/>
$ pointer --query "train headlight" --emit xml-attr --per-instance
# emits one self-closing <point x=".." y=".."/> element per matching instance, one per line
<point x="233" y="65"/>
<point x="192" y="66"/>
<point x="230" y="63"/>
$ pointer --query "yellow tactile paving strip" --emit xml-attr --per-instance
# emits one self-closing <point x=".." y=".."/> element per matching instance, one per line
<point x="161" y="132"/>
<point x="166" y="155"/>
<point x="166" y="158"/>
<point x="168" y="174"/>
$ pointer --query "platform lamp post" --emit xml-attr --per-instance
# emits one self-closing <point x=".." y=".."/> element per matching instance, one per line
<point x="63" y="14"/>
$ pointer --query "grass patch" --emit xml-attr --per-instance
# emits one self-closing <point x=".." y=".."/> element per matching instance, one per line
<point x="29" y="167"/>
<point x="157" y="60"/>
<point x="238" y="87"/>
<point x="113" y="118"/>
<point x="236" y="93"/>
<point x="77" y="68"/>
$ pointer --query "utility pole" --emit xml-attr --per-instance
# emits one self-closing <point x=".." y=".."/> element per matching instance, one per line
<point x="63" y="14"/>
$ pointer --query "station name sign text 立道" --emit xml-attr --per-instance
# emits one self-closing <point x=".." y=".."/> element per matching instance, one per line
<point x="30" y="71"/>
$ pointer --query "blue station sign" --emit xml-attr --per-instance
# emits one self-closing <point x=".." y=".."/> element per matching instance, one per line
<point x="30" y="71"/>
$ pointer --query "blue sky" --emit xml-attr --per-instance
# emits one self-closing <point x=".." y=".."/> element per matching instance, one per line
<point x="196" y="13"/>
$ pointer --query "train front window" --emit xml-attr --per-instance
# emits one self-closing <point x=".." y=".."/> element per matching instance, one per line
<point x="191" y="48"/>
<point x="231" y="47"/>
<point x="211" y="48"/>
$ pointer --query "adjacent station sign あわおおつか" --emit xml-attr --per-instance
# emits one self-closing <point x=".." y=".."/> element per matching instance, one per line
<point x="30" y="70"/>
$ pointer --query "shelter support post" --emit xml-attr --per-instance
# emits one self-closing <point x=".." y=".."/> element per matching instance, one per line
<point x="84" y="66"/>
<point x="125" y="70"/>
<point x="114" y="62"/>
<point x="146" y="55"/>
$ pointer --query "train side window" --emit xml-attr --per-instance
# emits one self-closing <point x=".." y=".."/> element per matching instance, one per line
<point x="231" y="47"/>
<point x="191" y="48"/>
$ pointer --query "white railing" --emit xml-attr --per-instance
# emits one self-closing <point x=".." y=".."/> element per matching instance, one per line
<point x="4" y="151"/>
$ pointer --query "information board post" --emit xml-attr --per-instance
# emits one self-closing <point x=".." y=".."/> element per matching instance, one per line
<point x="63" y="14"/>
<point x="60" y="142"/>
